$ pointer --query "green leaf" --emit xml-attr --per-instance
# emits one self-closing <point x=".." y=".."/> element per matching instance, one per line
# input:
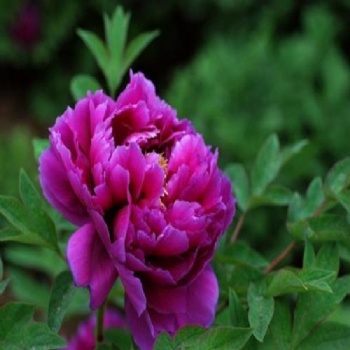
<point x="62" y="293"/>
<point x="39" y="146"/>
<point x="328" y="258"/>
<point x="107" y="346"/>
<point x="34" y="223"/>
<point x="261" y="308"/>
<point x="14" y="317"/>
<point x="136" y="46"/>
<point x="27" y="191"/>
<point x="238" y="315"/>
<point x="327" y="336"/>
<point x="240" y="253"/>
<point x="267" y="165"/>
<point x="313" y="307"/>
<point x="3" y="285"/>
<point x="273" y="195"/>
<point x="309" y="254"/>
<point x="290" y="151"/>
<point x="326" y="227"/>
<point x="338" y="177"/>
<point x="1" y="267"/>
<point x="344" y="199"/>
<point x="120" y="337"/>
<point x="96" y="47"/>
<point x="240" y="184"/>
<point x="285" y="281"/>
<point x="163" y="342"/>
<point x="81" y="84"/>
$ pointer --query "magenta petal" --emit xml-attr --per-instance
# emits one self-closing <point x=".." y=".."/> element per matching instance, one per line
<point x="90" y="264"/>
<point x="171" y="242"/>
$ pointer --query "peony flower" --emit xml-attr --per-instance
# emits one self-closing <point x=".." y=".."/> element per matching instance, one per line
<point x="85" y="337"/>
<point x="150" y="203"/>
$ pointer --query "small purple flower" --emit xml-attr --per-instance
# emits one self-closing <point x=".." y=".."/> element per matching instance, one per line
<point x="85" y="338"/>
<point x="150" y="203"/>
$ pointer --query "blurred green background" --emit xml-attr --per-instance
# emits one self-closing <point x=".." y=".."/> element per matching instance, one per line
<point x="239" y="70"/>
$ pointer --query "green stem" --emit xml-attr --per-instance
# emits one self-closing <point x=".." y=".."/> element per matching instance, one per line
<point x="99" y="324"/>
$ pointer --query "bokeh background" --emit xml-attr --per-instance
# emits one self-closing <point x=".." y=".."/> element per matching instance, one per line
<point x="239" y="69"/>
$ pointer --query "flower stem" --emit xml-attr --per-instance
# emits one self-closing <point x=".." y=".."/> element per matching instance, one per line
<point x="238" y="227"/>
<point x="280" y="257"/>
<point x="99" y="324"/>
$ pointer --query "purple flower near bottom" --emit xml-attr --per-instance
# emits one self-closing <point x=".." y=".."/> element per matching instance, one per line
<point x="150" y="203"/>
<point x="84" y="339"/>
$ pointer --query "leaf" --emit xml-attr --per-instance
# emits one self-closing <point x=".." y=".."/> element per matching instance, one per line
<point x="309" y="257"/>
<point x="1" y="267"/>
<point x="240" y="184"/>
<point x="240" y="253"/>
<point x="238" y="315"/>
<point x="313" y="307"/>
<point x="260" y="312"/>
<point x="338" y="177"/>
<point x="120" y="337"/>
<point x="28" y="193"/>
<point x="273" y="195"/>
<point x="136" y="46"/>
<point x="328" y="258"/>
<point x="344" y="199"/>
<point x="266" y="166"/>
<point x="285" y="281"/>
<point x="39" y="146"/>
<point x="62" y="293"/>
<point x="14" y="317"/>
<point x="327" y="336"/>
<point x="3" y="285"/>
<point x="96" y="47"/>
<point x="163" y="342"/>
<point x="81" y="84"/>
<point x="292" y="150"/>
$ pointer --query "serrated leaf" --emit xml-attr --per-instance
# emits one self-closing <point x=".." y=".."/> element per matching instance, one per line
<point x="62" y="293"/>
<point x="327" y="336"/>
<point x="136" y="46"/>
<point x="39" y="145"/>
<point x="238" y="316"/>
<point x="273" y="195"/>
<point x="266" y="166"/>
<point x="261" y="308"/>
<point x="240" y="184"/>
<point x="288" y="152"/>
<point x="240" y="253"/>
<point x="309" y="257"/>
<point x="96" y="47"/>
<point x="81" y="84"/>
<point x="338" y="177"/>
<point x="14" y="317"/>
<point x="313" y="307"/>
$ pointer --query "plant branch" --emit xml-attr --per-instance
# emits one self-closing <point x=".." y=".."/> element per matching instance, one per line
<point x="280" y="257"/>
<point x="238" y="227"/>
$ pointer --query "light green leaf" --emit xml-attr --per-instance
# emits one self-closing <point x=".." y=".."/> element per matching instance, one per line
<point x="273" y="195"/>
<point x="338" y="177"/>
<point x="238" y="315"/>
<point x="314" y="196"/>
<point x="261" y="308"/>
<point x="285" y="281"/>
<point x="288" y="152"/>
<point x="267" y="165"/>
<point x="1" y="268"/>
<point x="240" y="184"/>
<point x="96" y="47"/>
<point x="28" y="193"/>
<point x="136" y="46"/>
<point x="62" y="293"/>
<point x="344" y="199"/>
<point x="39" y="146"/>
<point x="81" y="84"/>
<point x="309" y="254"/>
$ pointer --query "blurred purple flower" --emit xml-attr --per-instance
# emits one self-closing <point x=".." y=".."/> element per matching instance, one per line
<point x="25" y="30"/>
<point x="150" y="203"/>
<point x="85" y="339"/>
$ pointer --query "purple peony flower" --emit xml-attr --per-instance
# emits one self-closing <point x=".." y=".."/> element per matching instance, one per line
<point x="85" y="337"/>
<point x="150" y="203"/>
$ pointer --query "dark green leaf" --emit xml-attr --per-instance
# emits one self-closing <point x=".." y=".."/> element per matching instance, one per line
<point x="120" y="337"/>
<point x="338" y="177"/>
<point x="136" y="46"/>
<point x="273" y="195"/>
<point x="344" y="199"/>
<point x="327" y="336"/>
<point x="328" y="258"/>
<point x="106" y="346"/>
<point x="240" y="253"/>
<point x="309" y="254"/>
<point x="267" y="165"/>
<point x="39" y="146"/>
<point x="261" y="308"/>
<point x="292" y="150"/>
<point x="14" y="317"/>
<point x="314" y="196"/>
<point x="1" y="268"/>
<point x="3" y="285"/>
<point x="285" y="281"/>
<point x="313" y="307"/>
<point x="238" y="315"/>
<point x="96" y="47"/>
<point x="81" y="84"/>
<point x="62" y="293"/>
<point x="240" y="184"/>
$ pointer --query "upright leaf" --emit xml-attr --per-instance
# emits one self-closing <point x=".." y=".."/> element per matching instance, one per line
<point x="292" y="150"/>
<point x="338" y="177"/>
<point x="28" y="193"/>
<point x="238" y="316"/>
<point x="309" y="254"/>
<point x="62" y="293"/>
<point x="267" y="165"/>
<point x="260" y="312"/>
